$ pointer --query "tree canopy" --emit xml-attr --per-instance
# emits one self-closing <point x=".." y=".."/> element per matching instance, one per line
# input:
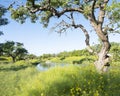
<point x="45" y="9"/>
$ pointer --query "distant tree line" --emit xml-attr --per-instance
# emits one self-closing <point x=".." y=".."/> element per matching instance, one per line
<point x="114" y="51"/>
<point x="17" y="52"/>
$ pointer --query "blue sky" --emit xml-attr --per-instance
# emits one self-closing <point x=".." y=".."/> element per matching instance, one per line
<point x="38" y="40"/>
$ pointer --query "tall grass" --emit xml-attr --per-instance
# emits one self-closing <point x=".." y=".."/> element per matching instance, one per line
<point x="72" y="80"/>
<point x="12" y="76"/>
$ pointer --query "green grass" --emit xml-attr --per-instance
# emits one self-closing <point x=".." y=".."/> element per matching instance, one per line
<point x="69" y="60"/>
<point x="72" y="80"/>
<point x="11" y="76"/>
<point x="75" y="81"/>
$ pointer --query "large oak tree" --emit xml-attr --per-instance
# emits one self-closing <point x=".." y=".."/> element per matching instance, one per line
<point x="15" y="50"/>
<point x="94" y="11"/>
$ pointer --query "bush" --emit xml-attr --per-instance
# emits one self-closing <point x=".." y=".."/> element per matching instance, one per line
<point x="34" y="61"/>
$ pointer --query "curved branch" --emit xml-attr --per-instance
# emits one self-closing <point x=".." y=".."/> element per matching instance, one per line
<point x="87" y="37"/>
<point x="54" y="11"/>
<point x="101" y="15"/>
<point x="85" y="33"/>
<point x="66" y="26"/>
<point x="93" y="9"/>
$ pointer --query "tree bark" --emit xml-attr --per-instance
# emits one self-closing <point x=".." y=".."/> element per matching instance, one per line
<point x="102" y="64"/>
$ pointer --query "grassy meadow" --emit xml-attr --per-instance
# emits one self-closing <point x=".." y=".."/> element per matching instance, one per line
<point x="21" y="79"/>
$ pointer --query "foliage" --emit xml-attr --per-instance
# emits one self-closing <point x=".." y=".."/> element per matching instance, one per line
<point x="31" y="56"/>
<point x="113" y="12"/>
<point x="81" y="56"/>
<point x="35" y="10"/>
<point x="3" y="10"/>
<point x="113" y="15"/>
<point x="34" y="61"/>
<point x="56" y="60"/>
<point x="115" y="51"/>
<point x="3" y="21"/>
<point x="74" y="53"/>
<point x="47" y="56"/>
<point x="13" y="49"/>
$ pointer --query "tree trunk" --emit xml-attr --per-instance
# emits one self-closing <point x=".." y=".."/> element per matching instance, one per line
<point x="102" y="64"/>
<point x="13" y="59"/>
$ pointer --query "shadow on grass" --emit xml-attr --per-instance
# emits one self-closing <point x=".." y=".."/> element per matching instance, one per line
<point x="82" y="60"/>
<point x="86" y="59"/>
<point x="13" y="68"/>
<point x="3" y="59"/>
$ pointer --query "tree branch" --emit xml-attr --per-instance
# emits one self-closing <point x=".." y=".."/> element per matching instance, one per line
<point x="101" y="15"/>
<point x="93" y="9"/>
<point x="54" y="11"/>
<point x="66" y="26"/>
<point x="86" y="36"/>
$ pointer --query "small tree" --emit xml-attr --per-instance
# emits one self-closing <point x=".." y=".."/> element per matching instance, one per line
<point x="94" y="11"/>
<point x="13" y="49"/>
